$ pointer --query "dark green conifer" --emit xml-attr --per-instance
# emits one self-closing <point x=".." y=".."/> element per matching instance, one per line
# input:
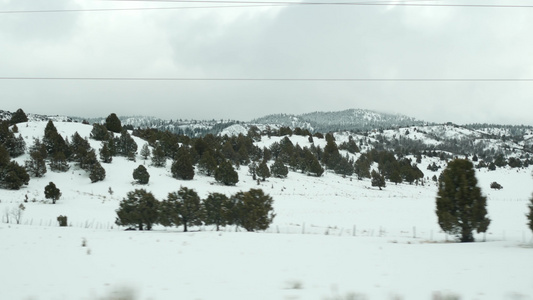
<point x="279" y="169"/>
<point x="18" y="117"/>
<point x="140" y="209"/>
<point x="113" y="124"/>
<point x="217" y="209"/>
<point x="226" y="174"/>
<point x="461" y="208"/>
<point x="141" y="175"/>
<point x="182" y="208"/>
<point x="52" y="192"/>
<point x="182" y="167"/>
<point x="263" y="171"/>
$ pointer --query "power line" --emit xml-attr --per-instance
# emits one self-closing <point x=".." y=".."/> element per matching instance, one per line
<point x="273" y="79"/>
<point x="254" y="4"/>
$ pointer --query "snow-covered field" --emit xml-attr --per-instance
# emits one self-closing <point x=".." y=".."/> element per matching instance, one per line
<point x="332" y="238"/>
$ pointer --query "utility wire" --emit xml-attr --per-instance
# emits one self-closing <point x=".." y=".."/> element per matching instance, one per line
<point x="273" y="79"/>
<point x="253" y="4"/>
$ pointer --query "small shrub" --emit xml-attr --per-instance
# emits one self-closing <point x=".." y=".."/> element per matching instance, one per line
<point x="496" y="186"/>
<point x="62" y="221"/>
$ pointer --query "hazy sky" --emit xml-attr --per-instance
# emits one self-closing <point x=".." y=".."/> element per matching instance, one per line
<point x="298" y="41"/>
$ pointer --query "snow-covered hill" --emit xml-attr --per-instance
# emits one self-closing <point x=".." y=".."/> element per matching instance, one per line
<point x="332" y="238"/>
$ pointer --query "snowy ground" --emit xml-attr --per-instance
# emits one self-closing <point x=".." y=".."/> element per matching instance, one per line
<point x="333" y="238"/>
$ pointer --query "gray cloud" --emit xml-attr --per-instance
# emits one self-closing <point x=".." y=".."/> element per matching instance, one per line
<point x="295" y="42"/>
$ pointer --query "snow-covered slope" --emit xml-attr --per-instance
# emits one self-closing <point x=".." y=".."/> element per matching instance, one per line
<point x="332" y="238"/>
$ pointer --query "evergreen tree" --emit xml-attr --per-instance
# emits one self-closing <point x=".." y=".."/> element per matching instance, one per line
<point x="4" y="157"/>
<point x="141" y="175"/>
<point x="252" y="170"/>
<point x="58" y="162"/>
<point x="13" y="176"/>
<point x="377" y="179"/>
<point x="344" y="167"/>
<point x="158" y="156"/>
<point x="362" y="167"/>
<point x="14" y="145"/>
<point x="529" y="215"/>
<point x="78" y="147"/>
<point x="125" y="145"/>
<point x="18" y="117"/>
<point x="279" y="169"/>
<point x="53" y="141"/>
<point x="100" y="133"/>
<point x="145" y="151"/>
<point x="207" y="164"/>
<point x="313" y="167"/>
<point x="40" y="147"/>
<point x="52" y="192"/>
<point x="460" y="206"/>
<point x="226" y="174"/>
<point x="217" y="208"/>
<point x="36" y="166"/>
<point x="105" y="153"/>
<point x="182" y="208"/>
<point x="113" y="124"/>
<point x="182" y="167"/>
<point x="253" y="209"/>
<point x="138" y="210"/>
<point x="263" y="171"/>
<point x="331" y="154"/>
<point x="97" y="173"/>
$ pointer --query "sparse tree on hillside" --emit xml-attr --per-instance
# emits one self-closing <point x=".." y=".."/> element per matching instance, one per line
<point x="182" y="167"/>
<point x="113" y="124"/>
<point x="97" y="173"/>
<point x="139" y="210"/>
<point x="461" y="208"/>
<point x="207" y="163"/>
<point x="36" y="166"/>
<point x="18" y="117"/>
<point x="58" y="162"/>
<point x="105" y="154"/>
<point x="13" y="176"/>
<point x="141" y="175"/>
<point x="158" y="156"/>
<point x="145" y="151"/>
<point x="377" y="179"/>
<point x="182" y="208"/>
<point x="279" y="169"/>
<point x="226" y="174"/>
<point x="263" y="171"/>
<point x="52" y="192"/>
<point x="100" y="133"/>
<point x="530" y="214"/>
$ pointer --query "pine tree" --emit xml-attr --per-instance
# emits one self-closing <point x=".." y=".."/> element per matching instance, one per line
<point x="53" y="141"/>
<point x="226" y="174"/>
<point x="279" y="169"/>
<point x="13" y="176"/>
<point x="182" y="208"/>
<point x="344" y="167"/>
<point x="113" y="124"/>
<point x="253" y="209"/>
<point x="530" y="214"/>
<point x="97" y="173"/>
<point x="217" y="208"/>
<point x="100" y="133"/>
<point x="52" y="192"/>
<point x="36" y="166"/>
<point x="141" y="175"/>
<point x="263" y="171"/>
<point x="207" y="164"/>
<point x="138" y="210"/>
<point x="182" y="167"/>
<point x="362" y="167"/>
<point x="145" y="151"/>
<point x="460" y="206"/>
<point x="105" y="153"/>
<point x="377" y="179"/>
<point x="18" y="117"/>
<point x="125" y="145"/>
<point x="58" y="162"/>
<point x="158" y="156"/>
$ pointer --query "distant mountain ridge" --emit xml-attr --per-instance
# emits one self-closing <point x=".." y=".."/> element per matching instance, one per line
<point x="346" y="120"/>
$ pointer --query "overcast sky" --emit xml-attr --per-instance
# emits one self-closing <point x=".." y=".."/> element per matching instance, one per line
<point x="298" y="41"/>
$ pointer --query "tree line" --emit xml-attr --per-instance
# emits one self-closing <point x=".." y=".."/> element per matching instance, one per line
<point x="251" y="210"/>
